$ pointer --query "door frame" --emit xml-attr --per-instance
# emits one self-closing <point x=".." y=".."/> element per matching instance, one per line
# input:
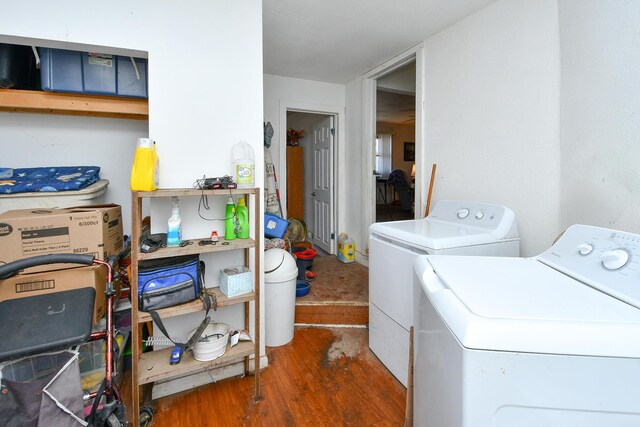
<point x="337" y="160"/>
<point x="369" y="98"/>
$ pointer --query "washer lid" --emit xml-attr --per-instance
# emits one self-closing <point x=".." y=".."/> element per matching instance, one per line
<point x="522" y="305"/>
<point x="433" y="234"/>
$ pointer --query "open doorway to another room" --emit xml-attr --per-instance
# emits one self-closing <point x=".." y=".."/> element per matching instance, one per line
<point x="395" y="166"/>
<point x="310" y="183"/>
<point x="337" y="291"/>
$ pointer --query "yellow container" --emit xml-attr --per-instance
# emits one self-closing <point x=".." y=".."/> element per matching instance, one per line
<point x="346" y="248"/>
<point x="144" y="172"/>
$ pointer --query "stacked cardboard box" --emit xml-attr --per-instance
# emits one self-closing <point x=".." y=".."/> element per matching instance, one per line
<point x="94" y="230"/>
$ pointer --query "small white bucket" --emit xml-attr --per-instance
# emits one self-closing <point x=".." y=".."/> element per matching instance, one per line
<point x="213" y="342"/>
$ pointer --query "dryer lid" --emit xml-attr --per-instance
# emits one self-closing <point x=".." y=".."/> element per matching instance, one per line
<point x="433" y="234"/>
<point x="522" y="305"/>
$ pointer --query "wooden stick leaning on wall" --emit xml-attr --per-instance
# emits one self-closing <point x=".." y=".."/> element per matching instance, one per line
<point x="433" y="176"/>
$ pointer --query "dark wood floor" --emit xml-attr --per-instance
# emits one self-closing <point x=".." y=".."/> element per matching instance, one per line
<point x="324" y="377"/>
<point x="391" y="212"/>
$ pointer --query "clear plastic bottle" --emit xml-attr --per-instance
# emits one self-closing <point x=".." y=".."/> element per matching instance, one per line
<point x="243" y="219"/>
<point x="144" y="172"/>
<point x="243" y="164"/>
<point x="174" y="225"/>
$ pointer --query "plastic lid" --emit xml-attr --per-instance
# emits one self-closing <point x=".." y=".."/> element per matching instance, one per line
<point x="241" y="201"/>
<point x="279" y="266"/>
<point x="304" y="253"/>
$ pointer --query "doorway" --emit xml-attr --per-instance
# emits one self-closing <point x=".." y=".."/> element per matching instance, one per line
<point x="395" y="144"/>
<point x="310" y="175"/>
<point x="369" y="131"/>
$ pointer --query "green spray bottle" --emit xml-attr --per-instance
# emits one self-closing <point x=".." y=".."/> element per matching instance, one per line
<point x="243" y="219"/>
<point x="230" y="220"/>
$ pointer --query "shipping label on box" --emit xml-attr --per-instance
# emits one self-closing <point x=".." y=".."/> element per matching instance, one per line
<point x="27" y="285"/>
<point x="90" y="230"/>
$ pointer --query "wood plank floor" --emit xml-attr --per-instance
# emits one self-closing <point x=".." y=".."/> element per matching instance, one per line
<point x="324" y="377"/>
<point x="339" y="295"/>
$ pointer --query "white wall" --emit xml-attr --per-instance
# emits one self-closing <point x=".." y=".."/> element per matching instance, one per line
<point x="354" y="175"/>
<point x="491" y="114"/>
<point x="48" y="140"/>
<point x="600" y="113"/>
<point x="282" y="93"/>
<point x="205" y="90"/>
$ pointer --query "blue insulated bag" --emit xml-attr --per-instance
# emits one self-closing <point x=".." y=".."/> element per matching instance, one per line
<point x="168" y="282"/>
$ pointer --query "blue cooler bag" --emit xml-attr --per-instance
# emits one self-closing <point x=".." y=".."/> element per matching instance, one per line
<point x="170" y="281"/>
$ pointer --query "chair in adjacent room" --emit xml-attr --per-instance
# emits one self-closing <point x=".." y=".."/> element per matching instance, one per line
<point x="400" y="181"/>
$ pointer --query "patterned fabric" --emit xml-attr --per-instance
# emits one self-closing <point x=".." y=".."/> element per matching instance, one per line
<point x="63" y="178"/>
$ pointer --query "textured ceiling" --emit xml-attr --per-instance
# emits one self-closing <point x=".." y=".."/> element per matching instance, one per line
<point x="338" y="40"/>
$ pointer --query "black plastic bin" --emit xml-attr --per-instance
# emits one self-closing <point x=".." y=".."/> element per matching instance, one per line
<point x="304" y="259"/>
<point x="18" y="67"/>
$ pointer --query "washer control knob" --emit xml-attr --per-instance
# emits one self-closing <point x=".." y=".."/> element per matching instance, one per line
<point x="463" y="213"/>
<point x="615" y="259"/>
<point x="585" y="249"/>
<point x="479" y="215"/>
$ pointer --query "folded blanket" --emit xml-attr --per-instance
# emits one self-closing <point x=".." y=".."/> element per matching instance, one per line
<point x="62" y="178"/>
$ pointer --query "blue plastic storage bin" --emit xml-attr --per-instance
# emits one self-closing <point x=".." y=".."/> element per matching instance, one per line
<point x="94" y="73"/>
<point x="274" y="226"/>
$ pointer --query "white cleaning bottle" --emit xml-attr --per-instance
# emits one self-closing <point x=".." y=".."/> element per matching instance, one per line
<point x="174" y="225"/>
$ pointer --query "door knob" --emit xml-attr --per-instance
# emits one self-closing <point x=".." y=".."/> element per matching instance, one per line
<point x="313" y="193"/>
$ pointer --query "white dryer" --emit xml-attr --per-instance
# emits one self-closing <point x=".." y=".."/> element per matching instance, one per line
<point x="549" y="341"/>
<point x="453" y="227"/>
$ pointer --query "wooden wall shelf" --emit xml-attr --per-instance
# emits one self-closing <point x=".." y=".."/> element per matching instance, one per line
<point x="27" y="101"/>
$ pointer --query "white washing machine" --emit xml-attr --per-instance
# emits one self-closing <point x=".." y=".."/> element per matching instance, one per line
<point x="453" y="227"/>
<point x="549" y="341"/>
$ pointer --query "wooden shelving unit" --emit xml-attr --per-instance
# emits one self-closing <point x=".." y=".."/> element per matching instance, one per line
<point x="28" y="101"/>
<point x="150" y="367"/>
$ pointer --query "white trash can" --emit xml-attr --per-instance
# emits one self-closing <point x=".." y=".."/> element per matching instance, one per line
<point x="280" y="273"/>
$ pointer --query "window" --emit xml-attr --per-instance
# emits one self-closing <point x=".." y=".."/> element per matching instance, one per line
<point x="383" y="155"/>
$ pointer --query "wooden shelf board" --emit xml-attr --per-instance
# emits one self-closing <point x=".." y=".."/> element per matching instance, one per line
<point x="170" y="192"/>
<point x="27" y="101"/>
<point x="195" y="248"/>
<point x="197" y="305"/>
<point x="154" y="365"/>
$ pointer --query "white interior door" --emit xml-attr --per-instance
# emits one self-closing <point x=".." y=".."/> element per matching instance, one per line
<point x="322" y="195"/>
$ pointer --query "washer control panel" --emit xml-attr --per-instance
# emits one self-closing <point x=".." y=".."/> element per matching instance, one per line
<point x="606" y="259"/>
<point x="482" y="215"/>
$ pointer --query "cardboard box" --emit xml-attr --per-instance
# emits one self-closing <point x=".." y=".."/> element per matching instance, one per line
<point x="95" y="230"/>
<point x="26" y="285"/>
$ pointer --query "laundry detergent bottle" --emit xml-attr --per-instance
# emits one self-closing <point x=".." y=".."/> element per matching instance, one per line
<point x="243" y="219"/>
<point x="144" y="172"/>
<point x="230" y="219"/>
<point x="346" y="248"/>
<point x="174" y="225"/>
<point x="243" y="164"/>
